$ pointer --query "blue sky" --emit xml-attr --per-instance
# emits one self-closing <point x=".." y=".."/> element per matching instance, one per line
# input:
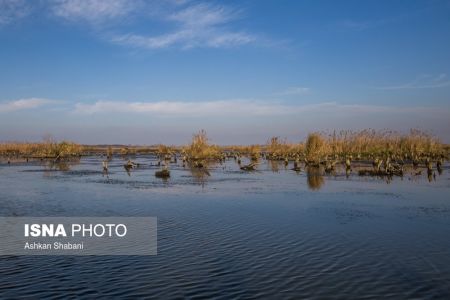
<point x="146" y="72"/>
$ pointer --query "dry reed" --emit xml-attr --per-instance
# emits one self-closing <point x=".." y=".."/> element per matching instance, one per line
<point x="200" y="149"/>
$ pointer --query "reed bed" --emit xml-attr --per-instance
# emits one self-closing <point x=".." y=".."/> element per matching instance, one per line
<point x="317" y="148"/>
<point x="46" y="149"/>
<point x="277" y="148"/>
<point x="361" y="145"/>
<point x="121" y="150"/>
<point x="200" y="148"/>
<point x="368" y="143"/>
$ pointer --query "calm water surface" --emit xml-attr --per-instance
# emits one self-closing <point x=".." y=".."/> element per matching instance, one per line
<point x="273" y="233"/>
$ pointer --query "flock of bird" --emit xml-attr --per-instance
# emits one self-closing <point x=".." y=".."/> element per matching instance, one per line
<point x="388" y="165"/>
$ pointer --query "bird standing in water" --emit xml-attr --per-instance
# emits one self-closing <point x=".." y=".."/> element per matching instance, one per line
<point x="105" y="168"/>
<point x="105" y="165"/>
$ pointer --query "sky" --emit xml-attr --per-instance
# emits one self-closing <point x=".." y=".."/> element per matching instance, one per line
<point x="149" y="72"/>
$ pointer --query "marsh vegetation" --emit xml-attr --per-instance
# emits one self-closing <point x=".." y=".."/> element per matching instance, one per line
<point x="365" y="152"/>
<point x="47" y="149"/>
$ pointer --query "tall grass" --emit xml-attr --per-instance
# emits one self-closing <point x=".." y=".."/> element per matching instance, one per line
<point x="201" y="149"/>
<point x="364" y="144"/>
<point x="253" y="151"/>
<point x="318" y="146"/>
<point x="277" y="148"/>
<point x="46" y="149"/>
<point x="315" y="147"/>
<point x="369" y="143"/>
<point x="164" y="150"/>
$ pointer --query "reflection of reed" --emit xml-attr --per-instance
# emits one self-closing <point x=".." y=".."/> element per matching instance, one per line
<point x="200" y="174"/>
<point x="274" y="165"/>
<point x="431" y="176"/>
<point x="314" y="178"/>
<point x="61" y="165"/>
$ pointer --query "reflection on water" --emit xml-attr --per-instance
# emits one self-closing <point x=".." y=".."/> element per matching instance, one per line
<point x="200" y="176"/>
<point x="242" y="235"/>
<point x="200" y="173"/>
<point x="128" y="170"/>
<point x="60" y="165"/>
<point x="314" y="178"/>
<point x="274" y="165"/>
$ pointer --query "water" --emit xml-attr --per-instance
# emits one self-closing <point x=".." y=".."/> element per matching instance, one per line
<point x="264" y="234"/>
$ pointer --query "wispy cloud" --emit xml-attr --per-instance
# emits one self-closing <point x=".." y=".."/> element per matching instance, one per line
<point x="355" y="25"/>
<point x="192" y="24"/>
<point x="93" y="11"/>
<point x="198" y="25"/>
<point x="201" y="15"/>
<point x="296" y="90"/>
<point x="23" y="104"/>
<point x="241" y="108"/>
<point x="422" y="82"/>
<point x="367" y="24"/>
<point x="185" y="39"/>
<point x="223" y="108"/>
<point x="178" y="108"/>
<point x="11" y="10"/>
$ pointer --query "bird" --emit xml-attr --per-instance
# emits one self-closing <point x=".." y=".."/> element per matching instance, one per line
<point x="249" y="167"/>
<point x="429" y="167"/>
<point x="348" y="164"/>
<point x="130" y="165"/>
<point x="439" y="165"/>
<point x="329" y="166"/>
<point x="105" y="165"/>
<point x="164" y="173"/>
<point x="199" y="164"/>
<point x="296" y="167"/>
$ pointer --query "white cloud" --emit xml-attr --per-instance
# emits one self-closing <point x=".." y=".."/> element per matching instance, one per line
<point x="11" y="10"/>
<point x="200" y="25"/>
<point x="229" y="39"/>
<point x="178" y="108"/>
<point x="224" y="108"/>
<point x="23" y="104"/>
<point x="363" y="25"/>
<point x="185" y="39"/>
<point x="155" y="42"/>
<point x="422" y="82"/>
<point x="193" y="24"/>
<point x="94" y="11"/>
<point x="297" y="90"/>
<point x="245" y="108"/>
<point x="202" y="15"/>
